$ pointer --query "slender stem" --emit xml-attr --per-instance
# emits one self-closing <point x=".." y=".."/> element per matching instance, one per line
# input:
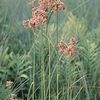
<point x="57" y="58"/>
<point x="49" y="55"/>
<point x="49" y="63"/>
<point x="33" y="66"/>
<point x="49" y="58"/>
<point x="42" y="87"/>
<point x="42" y="68"/>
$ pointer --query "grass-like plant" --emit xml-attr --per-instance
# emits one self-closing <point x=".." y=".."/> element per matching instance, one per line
<point x="57" y="57"/>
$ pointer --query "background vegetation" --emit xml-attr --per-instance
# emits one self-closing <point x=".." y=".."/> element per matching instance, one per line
<point x="31" y="61"/>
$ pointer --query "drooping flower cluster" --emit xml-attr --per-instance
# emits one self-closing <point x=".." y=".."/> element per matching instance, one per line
<point x="68" y="49"/>
<point x="40" y="13"/>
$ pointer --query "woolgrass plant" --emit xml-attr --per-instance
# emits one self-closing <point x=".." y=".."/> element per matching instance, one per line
<point x="49" y="51"/>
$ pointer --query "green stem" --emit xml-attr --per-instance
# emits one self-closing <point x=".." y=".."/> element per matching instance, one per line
<point x="49" y="55"/>
<point x="49" y="60"/>
<point x="33" y="66"/>
<point x="57" y="59"/>
<point x="43" y="97"/>
<point x="49" y="63"/>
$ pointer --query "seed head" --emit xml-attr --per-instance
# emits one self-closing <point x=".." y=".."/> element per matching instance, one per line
<point x="9" y="84"/>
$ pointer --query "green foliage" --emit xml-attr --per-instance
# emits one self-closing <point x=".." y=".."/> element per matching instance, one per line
<point x="30" y="59"/>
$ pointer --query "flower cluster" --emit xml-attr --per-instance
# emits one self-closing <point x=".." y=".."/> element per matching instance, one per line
<point x="40" y="13"/>
<point x="68" y="49"/>
<point x="13" y="97"/>
<point x="9" y="84"/>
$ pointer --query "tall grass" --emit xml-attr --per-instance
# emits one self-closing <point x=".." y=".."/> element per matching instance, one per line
<point x="30" y="58"/>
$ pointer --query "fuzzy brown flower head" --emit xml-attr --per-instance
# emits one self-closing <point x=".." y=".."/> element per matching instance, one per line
<point x="58" y="6"/>
<point x="43" y="4"/>
<point x="68" y="49"/>
<point x="34" y="22"/>
<point x="13" y="96"/>
<point x="72" y="51"/>
<point x="72" y="41"/>
<point x="51" y="4"/>
<point x="27" y="23"/>
<point x="61" y="47"/>
<point x="40" y="13"/>
<point x="9" y="84"/>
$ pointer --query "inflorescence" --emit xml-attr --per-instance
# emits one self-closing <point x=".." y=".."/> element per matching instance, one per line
<point x="68" y="48"/>
<point x="40" y="13"/>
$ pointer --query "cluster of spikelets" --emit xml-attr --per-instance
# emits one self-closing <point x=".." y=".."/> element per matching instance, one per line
<point x="68" y="48"/>
<point x="40" y="12"/>
<point x="9" y="84"/>
<point x="40" y="16"/>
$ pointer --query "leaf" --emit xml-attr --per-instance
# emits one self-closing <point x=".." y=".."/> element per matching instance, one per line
<point x="24" y="76"/>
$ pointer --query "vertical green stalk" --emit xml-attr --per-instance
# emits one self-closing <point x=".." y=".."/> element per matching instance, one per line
<point x="49" y="55"/>
<point x="43" y="97"/>
<point x="69" y="79"/>
<point x="33" y="66"/>
<point x="49" y="58"/>
<point x="68" y="91"/>
<point x="57" y="59"/>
